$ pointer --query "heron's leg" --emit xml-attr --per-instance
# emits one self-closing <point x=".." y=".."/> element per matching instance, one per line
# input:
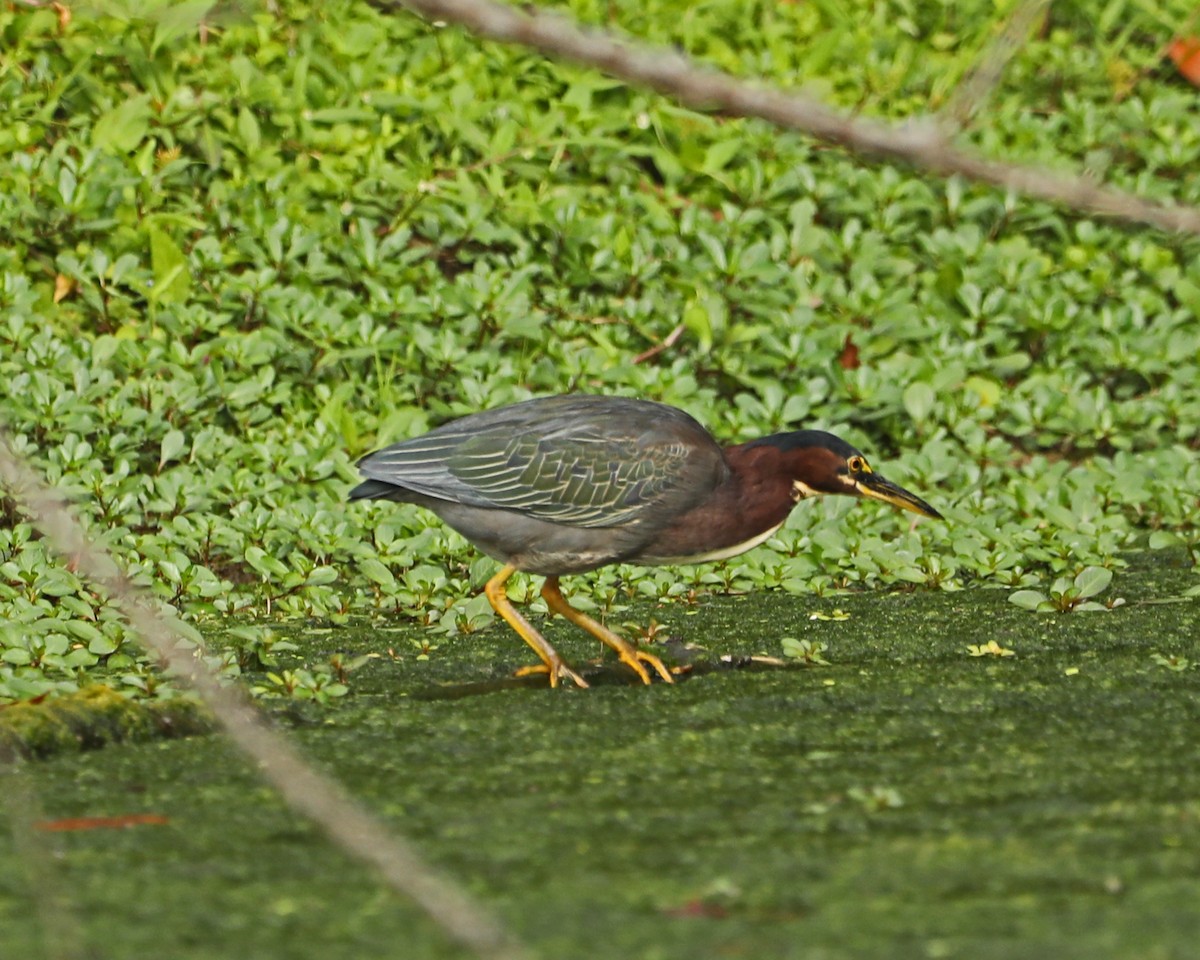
<point x="552" y="663"/>
<point x="628" y="653"/>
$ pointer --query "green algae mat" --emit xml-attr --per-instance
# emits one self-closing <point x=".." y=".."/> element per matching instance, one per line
<point x="962" y="779"/>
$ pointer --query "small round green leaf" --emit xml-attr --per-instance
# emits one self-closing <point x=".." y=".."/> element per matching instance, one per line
<point x="918" y="400"/>
<point x="319" y="576"/>
<point x="375" y="571"/>
<point x="1164" y="538"/>
<point x="1092" y="580"/>
<point x="1029" y="599"/>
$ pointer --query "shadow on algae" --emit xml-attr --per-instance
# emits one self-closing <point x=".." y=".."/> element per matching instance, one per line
<point x="923" y="795"/>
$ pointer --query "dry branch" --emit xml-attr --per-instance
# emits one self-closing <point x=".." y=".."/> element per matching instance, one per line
<point x="977" y="86"/>
<point x="307" y="791"/>
<point x="920" y="143"/>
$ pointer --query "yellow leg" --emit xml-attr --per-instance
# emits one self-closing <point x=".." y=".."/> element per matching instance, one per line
<point x="552" y="663"/>
<point x="628" y="653"/>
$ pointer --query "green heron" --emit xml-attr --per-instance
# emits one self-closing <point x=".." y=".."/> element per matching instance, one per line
<point x="563" y="485"/>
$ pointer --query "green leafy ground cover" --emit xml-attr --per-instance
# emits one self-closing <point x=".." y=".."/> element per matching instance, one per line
<point x="241" y="251"/>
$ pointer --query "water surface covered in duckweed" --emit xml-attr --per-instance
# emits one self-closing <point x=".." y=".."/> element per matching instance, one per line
<point x="907" y="800"/>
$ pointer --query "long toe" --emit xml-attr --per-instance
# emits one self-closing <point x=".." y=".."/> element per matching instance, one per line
<point x="658" y="665"/>
<point x="560" y="669"/>
<point x="635" y="658"/>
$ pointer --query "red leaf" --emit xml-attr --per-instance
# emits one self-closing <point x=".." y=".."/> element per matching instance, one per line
<point x="103" y="823"/>
<point x="1185" y="54"/>
<point x="32" y="700"/>
<point x="848" y="358"/>
<point x="698" y="908"/>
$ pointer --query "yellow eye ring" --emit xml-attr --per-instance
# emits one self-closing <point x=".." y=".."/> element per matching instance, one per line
<point x="858" y="465"/>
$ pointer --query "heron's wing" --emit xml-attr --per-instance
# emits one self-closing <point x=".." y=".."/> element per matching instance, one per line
<point x="581" y="461"/>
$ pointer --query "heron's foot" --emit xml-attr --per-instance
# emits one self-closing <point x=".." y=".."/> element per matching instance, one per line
<point x="556" y="670"/>
<point x="632" y="657"/>
<point x="552" y="664"/>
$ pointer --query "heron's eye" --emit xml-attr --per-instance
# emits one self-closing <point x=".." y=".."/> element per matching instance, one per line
<point x="857" y="465"/>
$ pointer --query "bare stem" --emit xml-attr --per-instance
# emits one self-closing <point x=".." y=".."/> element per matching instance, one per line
<point x="920" y="142"/>
<point x="308" y="791"/>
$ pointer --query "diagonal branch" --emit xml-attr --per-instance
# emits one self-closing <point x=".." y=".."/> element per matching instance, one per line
<point x="978" y="85"/>
<point x="307" y="791"/>
<point x="919" y="143"/>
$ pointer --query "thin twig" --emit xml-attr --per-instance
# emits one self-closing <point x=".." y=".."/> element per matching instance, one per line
<point x="978" y="85"/>
<point x="311" y="793"/>
<point x="919" y="142"/>
<point x="665" y="344"/>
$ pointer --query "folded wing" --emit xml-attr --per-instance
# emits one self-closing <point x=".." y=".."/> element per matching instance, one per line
<point x="576" y="460"/>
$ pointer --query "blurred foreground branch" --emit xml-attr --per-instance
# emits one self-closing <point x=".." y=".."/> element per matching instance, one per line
<point x="921" y="142"/>
<point x="307" y="791"/>
<point x="977" y="86"/>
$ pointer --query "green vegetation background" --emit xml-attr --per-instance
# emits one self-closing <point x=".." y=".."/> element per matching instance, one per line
<point x="240" y="252"/>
